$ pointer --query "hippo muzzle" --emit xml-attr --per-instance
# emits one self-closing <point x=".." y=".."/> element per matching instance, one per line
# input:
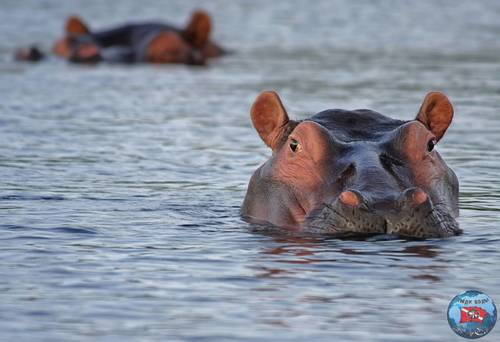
<point x="354" y="172"/>
<point x="412" y="215"/>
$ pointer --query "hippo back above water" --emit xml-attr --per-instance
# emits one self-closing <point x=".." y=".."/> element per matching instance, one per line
<point x="354" y="172"/>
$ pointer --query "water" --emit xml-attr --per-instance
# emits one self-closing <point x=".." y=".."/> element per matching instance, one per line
<point x="120" y="186"/>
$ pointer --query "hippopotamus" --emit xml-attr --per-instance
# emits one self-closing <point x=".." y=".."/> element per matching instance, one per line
<point x="150" y="42"/>
<point x="354" y="172"/>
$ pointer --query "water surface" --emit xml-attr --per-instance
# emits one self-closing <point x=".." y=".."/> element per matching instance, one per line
<point x="120" y="186"/>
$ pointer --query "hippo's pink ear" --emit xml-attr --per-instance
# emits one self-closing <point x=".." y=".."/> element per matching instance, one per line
<point x="436" y="113"/>
<point x="197" y="31"/>
<point x="269" y="118"/>
<point x="75" y="26"/>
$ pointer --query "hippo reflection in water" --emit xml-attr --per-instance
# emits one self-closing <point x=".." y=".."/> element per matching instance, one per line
<point x="354" y="172"/>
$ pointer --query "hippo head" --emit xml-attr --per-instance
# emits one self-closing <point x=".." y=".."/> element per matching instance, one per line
<point x="354" y="172"/>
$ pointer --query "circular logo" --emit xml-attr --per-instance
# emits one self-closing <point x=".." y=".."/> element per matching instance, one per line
<point x="472" y="314"/>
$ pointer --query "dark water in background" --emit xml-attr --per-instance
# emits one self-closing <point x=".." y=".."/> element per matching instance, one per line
<point x="120" y="186"/>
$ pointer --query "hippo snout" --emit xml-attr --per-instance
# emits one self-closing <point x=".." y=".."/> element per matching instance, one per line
<point x="411" y="214"/>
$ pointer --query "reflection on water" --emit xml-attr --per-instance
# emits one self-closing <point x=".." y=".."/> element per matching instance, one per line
<point x="340" y="281"/>
<point x="120" y="186"/>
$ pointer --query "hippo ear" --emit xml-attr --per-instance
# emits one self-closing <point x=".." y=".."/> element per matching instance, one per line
<point x="269" y="118"/>
<point x="198" y="29"/>
<point x="75" y="26"/>
<point x="436" y="113"/>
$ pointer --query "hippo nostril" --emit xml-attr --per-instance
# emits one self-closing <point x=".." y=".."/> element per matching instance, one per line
<point x="419" y="196"/>
<point x="349" y="198"/>
<point x="414" y="196"/>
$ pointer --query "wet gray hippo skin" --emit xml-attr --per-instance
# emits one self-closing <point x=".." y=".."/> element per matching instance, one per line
<point x="354" y="172"/>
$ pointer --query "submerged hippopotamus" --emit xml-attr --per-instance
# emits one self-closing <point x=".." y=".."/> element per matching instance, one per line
<point x="150" y="42"/>
<point x="354" y="172"/>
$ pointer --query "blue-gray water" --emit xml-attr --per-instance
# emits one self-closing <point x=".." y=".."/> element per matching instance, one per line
<point x="120" y="186"/>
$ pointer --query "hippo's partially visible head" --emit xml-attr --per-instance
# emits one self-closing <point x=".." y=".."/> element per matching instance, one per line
<point x="354" y="172"/>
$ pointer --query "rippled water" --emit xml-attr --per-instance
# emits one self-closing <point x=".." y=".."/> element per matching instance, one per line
<point x="120" y="186"/>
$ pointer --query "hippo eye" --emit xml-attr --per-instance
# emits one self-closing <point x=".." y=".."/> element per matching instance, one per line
<point x="431" y="144"/>
<point x="294" y="145"/>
